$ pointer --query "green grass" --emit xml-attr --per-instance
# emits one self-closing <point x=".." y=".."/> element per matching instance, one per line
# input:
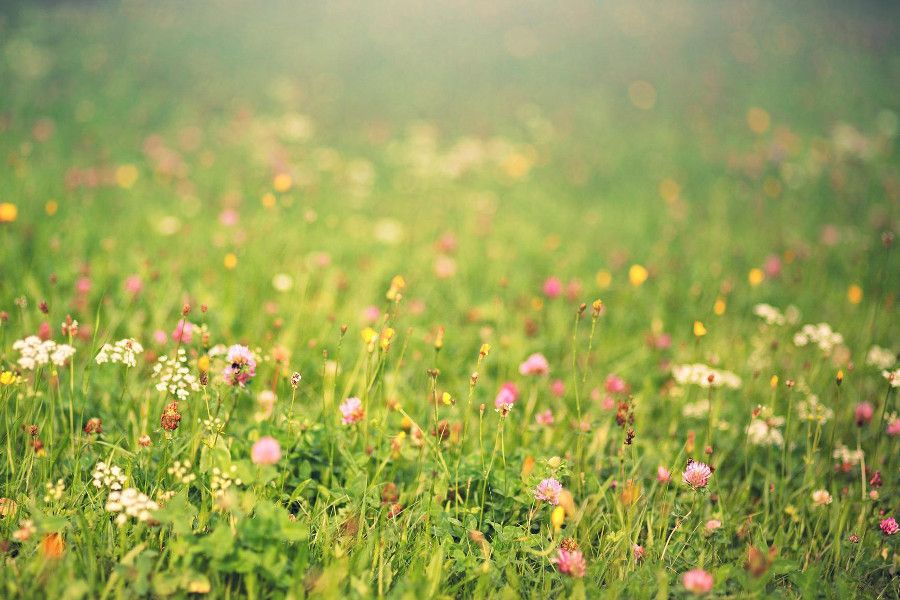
<point x="476" y="150"/>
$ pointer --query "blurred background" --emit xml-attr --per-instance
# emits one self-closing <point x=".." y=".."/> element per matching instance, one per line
<point x="476" y="142"/>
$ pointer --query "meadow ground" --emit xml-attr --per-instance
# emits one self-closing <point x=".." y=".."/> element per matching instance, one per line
<point x="456" y="299"/>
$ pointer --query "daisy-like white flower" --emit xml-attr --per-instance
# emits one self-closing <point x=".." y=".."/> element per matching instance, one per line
<point x="820" y="335"/>
<point x="697" y="474"/>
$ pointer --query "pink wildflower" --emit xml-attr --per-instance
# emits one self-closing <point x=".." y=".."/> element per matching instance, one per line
<point x="552" y="287"/>
<point x="638" y="552"/>
<point x="772" y="266"/>
<point x="507" y="396"/>
<point x="696" y="474"/>
<point x="889" y="526"/>
<point x="697" y="581"/>
<point x="535" y="364"/>
<point x="184" y="332"/>
<point x="663" y="475"/>
<point x="241" y="366"/>
<point x="863" y="413"/>
<point x="558" y="388"/>
<point x="266" y="451"/>
<point x="615" y="384"/>
<point x="352" y="411"/>
<point x="134" y="285"/>
<point x="893" y="428"/>
<point x="548" y="490"/>
<point x="570" y="563"/>
<point x="544" y="418"/>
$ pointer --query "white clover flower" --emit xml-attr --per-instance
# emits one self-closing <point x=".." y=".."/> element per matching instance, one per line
<point x="769" y="314"/>
<point x="130" y="503"/>
<point x="123" y="352"/>
<point x="174" y="376"/>
<point x="764" y="432"/>
<point x="109" y="476"/>
<point x="705" y="376"/>
<point x="821" y="335"/>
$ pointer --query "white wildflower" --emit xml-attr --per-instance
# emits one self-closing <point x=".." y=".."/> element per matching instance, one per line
<point x="769" y="314"/>
<point x="821" y="335"/>
<point x="705" y="376"/>
<point x="174" y="375"/>
<point x="124" y="352"/>
<point x="130" y="503"/>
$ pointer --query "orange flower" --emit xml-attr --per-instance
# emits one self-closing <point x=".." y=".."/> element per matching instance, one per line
<point x="52" y="546"/>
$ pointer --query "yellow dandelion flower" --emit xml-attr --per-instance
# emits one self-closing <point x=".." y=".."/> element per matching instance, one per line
<point x="854" y="294"/>
<point x="230" y="261"/>
<point x="637" y="275"/>
<point x="8" y="212"/>
<point x="755" y="276"/>
<point x="699" y="329"/>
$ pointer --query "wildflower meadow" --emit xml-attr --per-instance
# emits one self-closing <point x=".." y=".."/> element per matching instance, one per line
<point x="588" y="299"/>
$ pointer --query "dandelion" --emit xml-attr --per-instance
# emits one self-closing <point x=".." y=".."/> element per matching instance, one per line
<point x="352" y="411"/>
<point x="889" y="526"/>
<point x="122" y="352"/>
<point x="697" y="581"/>
<point x="821" y="498"/>
<point x="535" y="364"/>
<point x="696" y="474"/>
<point x="266" y="451"/>
<point x="570" y="562"/>
<point x="241" y="366"/>
<point x="548" y="490"/>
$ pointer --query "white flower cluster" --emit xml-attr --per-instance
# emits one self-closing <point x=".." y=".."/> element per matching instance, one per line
<point x="222" y="480"/>
<point x="821" y="335"/>
<point x="847" y="456"/>
<point x="35" y="352"/>
<point x="124" y="352"/>
<point x="174" y="376"/>
<point x="813" y="410"/>
<point x="769" y="314"/>
<point x="705" y="376"/>
<point x="696" y="410"/>
<point x="881" y="358"/>
<point x="109" y="476"/>
<point x="764" y="431"/>
<point x="55" y="490"/>
<point x="181" y="471"/>
<point x="893" y="377"/>
<point x="130" y="503"/>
